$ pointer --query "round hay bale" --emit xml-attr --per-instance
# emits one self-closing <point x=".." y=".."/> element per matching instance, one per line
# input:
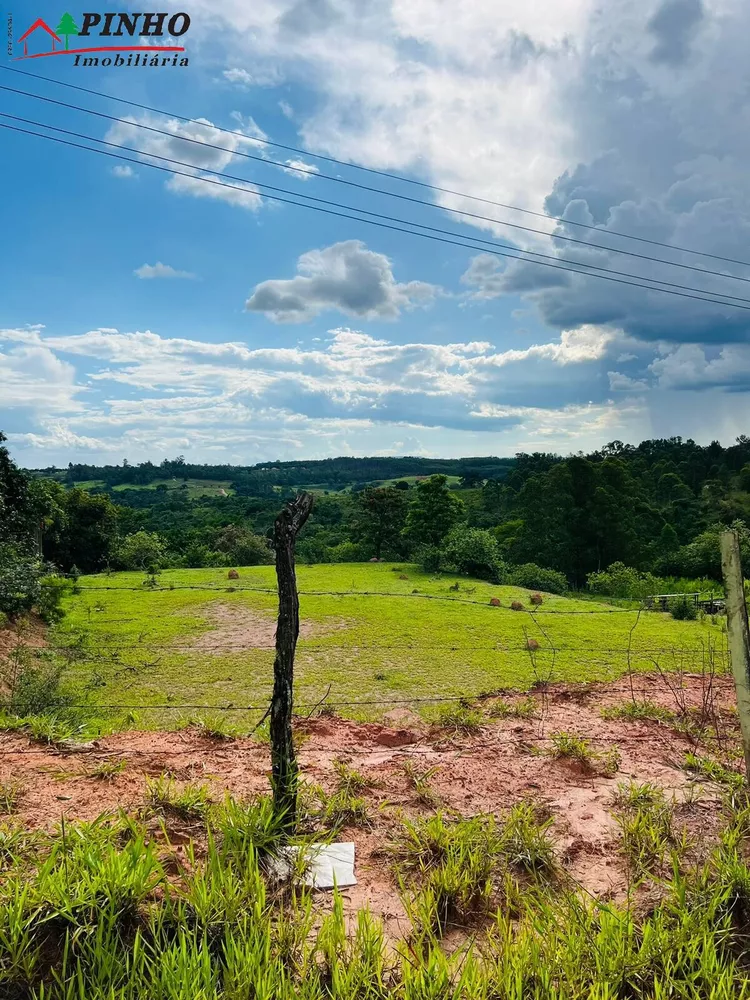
<point x="233" y="574"/>
<point x="516" y="606"/>
<point x="536" y="599"/>
<point x="532" y="645"/>
<point x="495" y="602"/>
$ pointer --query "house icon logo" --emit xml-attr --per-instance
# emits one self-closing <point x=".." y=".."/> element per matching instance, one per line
<point x="71" y="35"/>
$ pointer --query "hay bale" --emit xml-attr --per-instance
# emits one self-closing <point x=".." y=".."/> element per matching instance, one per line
<point x="516" y="606"/>
<point x="532" y="645"/>
<point x="233" y="574"/>
<point x="495" y="602"/>
<point x="536" y="599"/>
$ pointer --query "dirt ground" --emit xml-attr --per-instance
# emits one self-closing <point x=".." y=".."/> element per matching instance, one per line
<point x="237" y="629"/>
<point x="507" y="761"/>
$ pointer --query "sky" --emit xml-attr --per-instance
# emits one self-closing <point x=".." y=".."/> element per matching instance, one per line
<point x="147" y="313"/>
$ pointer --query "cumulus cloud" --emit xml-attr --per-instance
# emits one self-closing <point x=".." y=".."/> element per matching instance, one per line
<point x="345" y="276"/>
<point x="159" y="270"/>
<point x="629" y="116"/>
<point x="198" y="146"/>
<point x="300" y="169"/>
<point x="123" y="170"/>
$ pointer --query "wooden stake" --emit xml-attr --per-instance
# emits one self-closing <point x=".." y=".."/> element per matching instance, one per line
<point x="738" y="632"/>
<point x="283" y="760"/>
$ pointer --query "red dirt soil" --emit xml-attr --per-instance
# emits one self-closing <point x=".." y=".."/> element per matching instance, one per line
<point x="508" y="761"/>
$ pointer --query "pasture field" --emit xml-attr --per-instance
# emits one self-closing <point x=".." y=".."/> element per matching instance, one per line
<point x="375" y="633"/>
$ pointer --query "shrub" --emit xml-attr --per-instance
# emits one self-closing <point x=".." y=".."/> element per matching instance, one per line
<point x="474" y="552"/>
<point x="20" y="581"/>
<point x="140" y="550"/>
<point x="533" y="577"/>
<point x="682" y="609"/>
<point x="619" y="580"/>
<point x="32" y="688"/>
<point x="429" y="558"/>
<point x="51" y="592"/>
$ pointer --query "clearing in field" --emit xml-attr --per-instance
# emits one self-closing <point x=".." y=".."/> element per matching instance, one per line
<point x="372" y="636"/>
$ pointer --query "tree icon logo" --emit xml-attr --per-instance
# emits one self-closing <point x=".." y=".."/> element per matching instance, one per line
<point x="67" y="27"/>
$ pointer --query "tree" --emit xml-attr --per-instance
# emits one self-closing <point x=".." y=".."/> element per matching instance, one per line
<point x="243" y="547"/>
<point x="379" y="517"/>
<point x="141" y="550"/>
<point x="433" y="511"/>
<point x="87" y="536"/>
<point x="472" y="551"/>
<point x="67" y="27"/>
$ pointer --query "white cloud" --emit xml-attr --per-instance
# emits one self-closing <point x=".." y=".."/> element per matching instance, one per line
<point x="198" y="146"/>
<point x="123" y="170"/>
<point x="345" y="276"/>
<point x="300" y="169"/>
<point x="159" y="270"/>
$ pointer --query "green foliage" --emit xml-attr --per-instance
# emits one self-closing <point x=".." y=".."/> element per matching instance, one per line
<point x="682" y="609"/>
<point x="460" y="719"/>
<point x="140" y="550"/>
<point x="648" y="833"/>
<point x="619" y="580"/>
<point x="577" y="748"/>
<point x="11" y="793"/>
<point x="243" y="547"/>
<point x="53" y="589"/>
<point x="533" y="577"/>
<point x="433" y="510"/>
<point x="379" y="516"/>
<point x="20" y="581"/>
<point x="637" y="711"/>
<point x="188" y="801"/>
<point x="714" y="771"/>
<point x="472" y="551"/>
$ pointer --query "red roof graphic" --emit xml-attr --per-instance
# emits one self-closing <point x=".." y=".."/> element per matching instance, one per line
<point x="39" y="23"/>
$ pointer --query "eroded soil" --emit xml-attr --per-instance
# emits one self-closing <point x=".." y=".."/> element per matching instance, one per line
<point x="507" y="761"/>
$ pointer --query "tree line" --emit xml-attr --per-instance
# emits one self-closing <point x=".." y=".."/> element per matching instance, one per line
<point x="621" y="520"/>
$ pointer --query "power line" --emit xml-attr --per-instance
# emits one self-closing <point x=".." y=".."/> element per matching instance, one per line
<point x="518" y="253"/>
<point x="383" y="173"/>
<point x="381" y="225"/>
<point x="364" y="187"/>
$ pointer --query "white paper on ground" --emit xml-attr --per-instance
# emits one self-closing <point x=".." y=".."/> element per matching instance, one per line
<point x="328" y="865"/>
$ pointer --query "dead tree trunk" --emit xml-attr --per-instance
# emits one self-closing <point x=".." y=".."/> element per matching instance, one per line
<point x="283" y="760"/>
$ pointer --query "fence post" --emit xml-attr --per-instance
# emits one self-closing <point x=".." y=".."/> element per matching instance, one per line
<point x="283" y="759"/>
<point x="738" y="632"/>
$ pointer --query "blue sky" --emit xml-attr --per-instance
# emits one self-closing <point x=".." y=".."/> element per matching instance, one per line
<point x="145" y="314"/>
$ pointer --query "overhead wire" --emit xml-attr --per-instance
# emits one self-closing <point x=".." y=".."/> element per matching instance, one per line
<point x="364" y="187"/>
<point x="467" y="242"/>
<point x="375" y="171"/>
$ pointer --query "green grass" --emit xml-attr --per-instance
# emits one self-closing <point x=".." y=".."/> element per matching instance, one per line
<point x="195" y="487"/>
<point x="95" y="911"/>
<point x="137" y="646"/>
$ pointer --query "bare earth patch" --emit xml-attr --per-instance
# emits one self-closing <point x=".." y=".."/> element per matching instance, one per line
<point x="236" y="628"/>
<point x="508" y="761"/>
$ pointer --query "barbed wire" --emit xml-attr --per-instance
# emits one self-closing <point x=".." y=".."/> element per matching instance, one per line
<point x="355" y="593"/>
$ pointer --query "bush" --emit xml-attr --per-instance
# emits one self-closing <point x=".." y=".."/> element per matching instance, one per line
<point x="20" y="581"/>
<point x="682" y="609"/>
<point x="619" y="580"/>
<point x="140" y="550"/>
<point x="474" y="552"/>
<point x="429" y="557"/>
<point x="52" y="590"/>
<point x="533" y="577"/>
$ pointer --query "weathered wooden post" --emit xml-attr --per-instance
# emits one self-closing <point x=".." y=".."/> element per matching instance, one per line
<point x="738" y="632"/>
<point x="283" y="759"/>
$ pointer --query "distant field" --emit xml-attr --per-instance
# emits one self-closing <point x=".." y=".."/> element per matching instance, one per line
<point x="190" y="645"/>
<point x="195" y="487"/>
